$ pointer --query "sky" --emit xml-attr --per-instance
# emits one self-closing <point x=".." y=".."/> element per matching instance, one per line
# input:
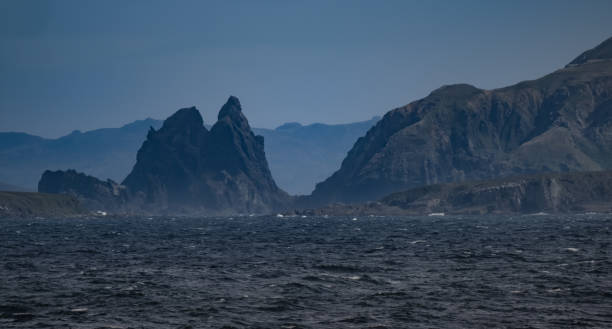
<point x="67" y="65"/>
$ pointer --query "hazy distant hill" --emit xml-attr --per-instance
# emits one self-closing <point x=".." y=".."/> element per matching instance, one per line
<point x="298" y="156"/>
<point x="12" y="188"/>
<point x="560" y="122"/>
<point x="105" y="153"/>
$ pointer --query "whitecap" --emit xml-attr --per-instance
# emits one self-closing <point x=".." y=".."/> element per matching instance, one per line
<point x="79" y="310"/>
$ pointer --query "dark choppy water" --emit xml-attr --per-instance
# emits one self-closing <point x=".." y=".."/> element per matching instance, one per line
<point x="415" y="272"/>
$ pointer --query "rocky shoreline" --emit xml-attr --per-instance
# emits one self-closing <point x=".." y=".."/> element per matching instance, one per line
<point x="577" y="192"/>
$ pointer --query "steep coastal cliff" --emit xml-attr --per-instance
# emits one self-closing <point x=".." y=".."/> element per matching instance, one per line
<point x="559" y="123"/>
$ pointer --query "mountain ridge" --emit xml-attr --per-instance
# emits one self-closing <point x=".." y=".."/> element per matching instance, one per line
<point x="603" y="51"/>
<point x="559" y="122"/>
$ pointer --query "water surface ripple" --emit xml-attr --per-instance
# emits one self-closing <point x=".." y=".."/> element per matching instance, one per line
<point x="268" y="272"/>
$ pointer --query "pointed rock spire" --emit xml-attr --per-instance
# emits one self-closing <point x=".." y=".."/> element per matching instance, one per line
<point x="232" y="111"/>
<point x="184" y="167"/>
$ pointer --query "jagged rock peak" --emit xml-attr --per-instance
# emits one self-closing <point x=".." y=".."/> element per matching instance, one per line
<point x="184" y="168"/>
<point x="231" y="109"/>
<point x="184" y="118"/>
<point x="602" y="52"/>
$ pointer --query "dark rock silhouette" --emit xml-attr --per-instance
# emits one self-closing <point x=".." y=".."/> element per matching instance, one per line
<point x="183" y="167"/>
<point x="559" y="123"/>
<point x="93" y="193"/>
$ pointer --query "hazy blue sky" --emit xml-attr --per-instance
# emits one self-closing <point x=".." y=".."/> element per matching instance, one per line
<point x="68" y="65"/>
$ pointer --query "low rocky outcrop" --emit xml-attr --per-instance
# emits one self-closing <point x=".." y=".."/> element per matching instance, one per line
<point x="93" y="193"/>
<point x="559" y="123"/>
<point x="551" y="193"/>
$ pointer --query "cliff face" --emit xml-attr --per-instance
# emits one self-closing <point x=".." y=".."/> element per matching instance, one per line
<point x="555" y="193"/>
<point x="183" y="167"/>
<point x="561" y="122"/>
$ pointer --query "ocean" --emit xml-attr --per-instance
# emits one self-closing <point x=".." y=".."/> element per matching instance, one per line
<point x="538" y="271"/>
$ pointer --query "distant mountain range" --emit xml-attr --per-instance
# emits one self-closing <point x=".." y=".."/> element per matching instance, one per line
<point x="13" y="188"/>
<point x="472" y="138"/>
<point x="298" y="155"/>
<point x="559" y="123"/>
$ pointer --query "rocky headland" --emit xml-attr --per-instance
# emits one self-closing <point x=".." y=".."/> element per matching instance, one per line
<point x="559" y="123"/>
